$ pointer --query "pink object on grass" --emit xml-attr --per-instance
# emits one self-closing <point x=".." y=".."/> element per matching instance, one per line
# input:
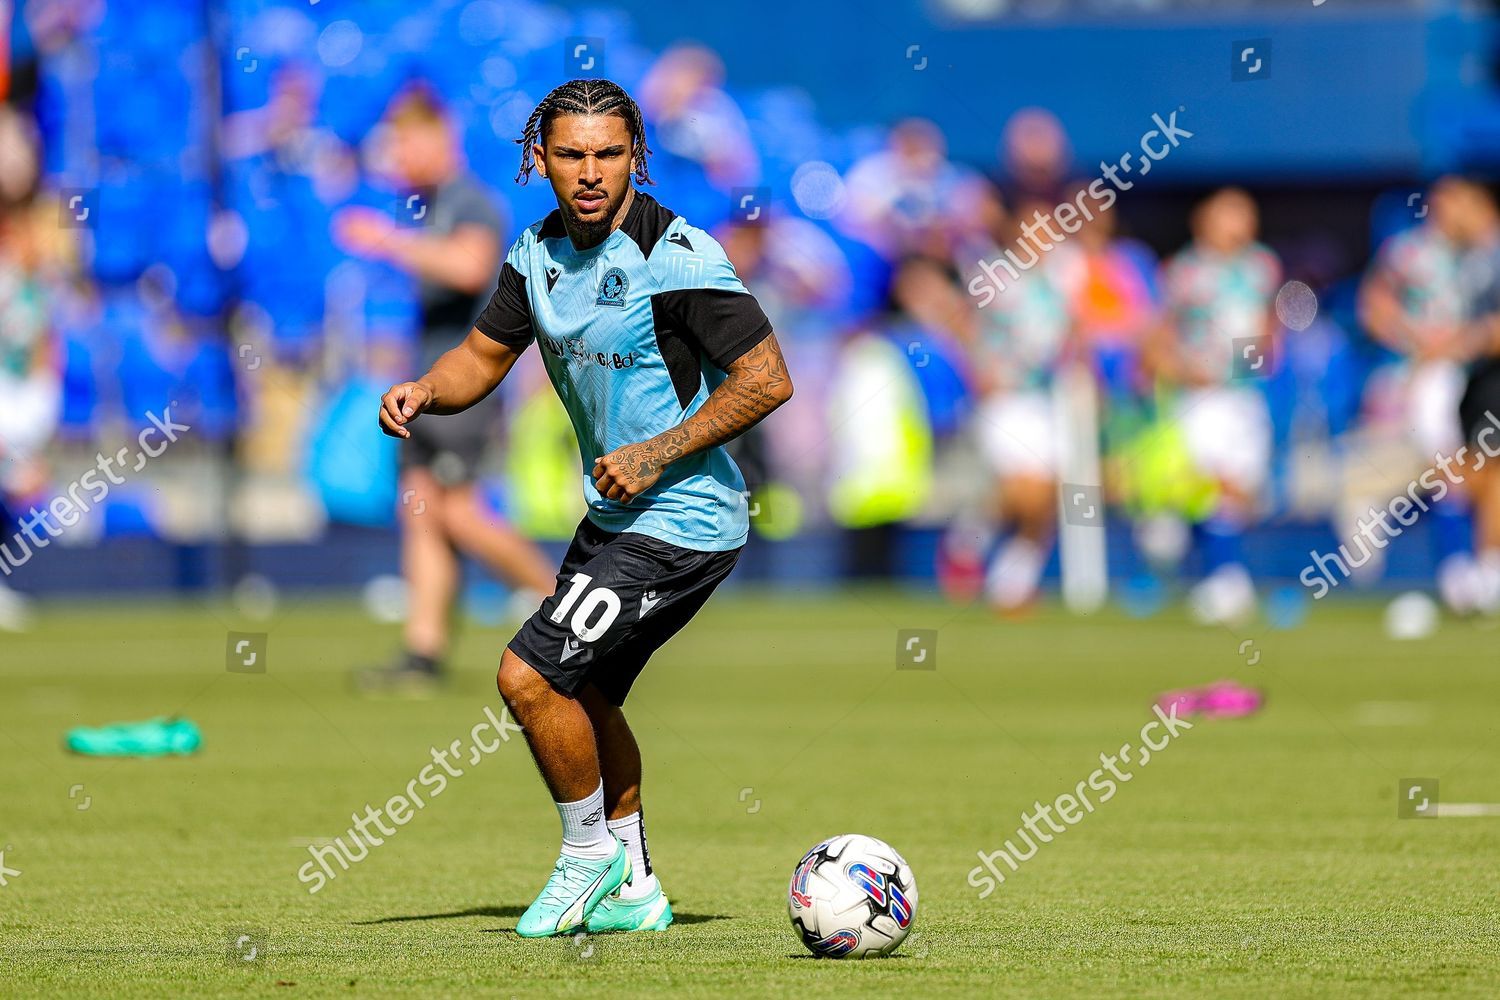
<point x="1228" y="700"/>
<point x="1187" y="702"/>
<point x="1223" y="700"/>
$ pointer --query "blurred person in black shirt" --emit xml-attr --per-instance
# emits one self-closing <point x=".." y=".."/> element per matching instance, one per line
<point x="453" y="251"/>
<point x="1479" y="408"/>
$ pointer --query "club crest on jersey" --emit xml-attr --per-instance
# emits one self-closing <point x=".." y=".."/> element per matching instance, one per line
<point x="612" y="287"/>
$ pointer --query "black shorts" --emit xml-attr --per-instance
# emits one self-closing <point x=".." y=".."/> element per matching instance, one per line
<point x="451" y="445"/>
<point x="619" y="597"/>
<point x="1481" y="401"/>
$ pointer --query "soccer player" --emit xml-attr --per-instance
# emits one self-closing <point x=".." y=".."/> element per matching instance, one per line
<point x="30" y="379"/>
<point x="453" y="253"/>
<point x="1418" y="300"/>
<point x="1215" y="339"/>
<point x="1479" y="409"/>
<point x="1025" y="336"/>
<point x="660" y="356"/>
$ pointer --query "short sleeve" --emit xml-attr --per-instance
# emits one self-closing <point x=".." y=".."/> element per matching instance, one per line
<point x="703" y="297"/>
<point x="1393" y="259"/>
<point x="1270" y="271"/>
<point x="474" y="208"/>
<point x="507" y="318"/>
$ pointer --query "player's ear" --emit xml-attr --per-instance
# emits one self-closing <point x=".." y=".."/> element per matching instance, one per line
<point x="539" y="157"/>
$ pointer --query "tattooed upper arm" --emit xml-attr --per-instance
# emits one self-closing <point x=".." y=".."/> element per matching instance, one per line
<point x="762" y="370"/>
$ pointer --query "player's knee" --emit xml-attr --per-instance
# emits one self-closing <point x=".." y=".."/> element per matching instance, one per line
<point x="462" y="513"/>
<point x="421" y="504"/>
<point x="519" y="684"/>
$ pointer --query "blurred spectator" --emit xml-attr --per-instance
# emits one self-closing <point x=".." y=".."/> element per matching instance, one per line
<point x="285" y="132"/>
<point x="1035" y="158"/>
<point x="683" y="99"/>
<point x="801" y="278"/>
<point x="909" y="199"/>
<point x="124" y="105"/>
<point x="284" y="175"/>
<point x="882" y="443"/>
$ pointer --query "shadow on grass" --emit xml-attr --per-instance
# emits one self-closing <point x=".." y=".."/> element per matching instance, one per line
<point x="898" y="957"/>
<point x="473" y="911"/>
<point x="516" y="911"/>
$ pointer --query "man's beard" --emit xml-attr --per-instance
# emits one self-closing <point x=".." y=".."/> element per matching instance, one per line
<point x="592" y="232"/>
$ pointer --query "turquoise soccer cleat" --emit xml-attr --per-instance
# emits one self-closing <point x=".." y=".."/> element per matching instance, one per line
<point x="153" y="738"/>
<point x="649" y="913"/>
<point x="576" y="887"/>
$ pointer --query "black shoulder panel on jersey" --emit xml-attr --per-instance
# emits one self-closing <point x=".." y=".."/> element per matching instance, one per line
<point x="679" y="351"/>
<point x="507" y="318"/>
<point x="721" y="323"/>
<point x="552" y="226"/>
<point x="646" y="221"/>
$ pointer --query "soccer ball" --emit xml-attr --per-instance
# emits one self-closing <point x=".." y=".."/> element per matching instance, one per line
<point x="852" y="897"/>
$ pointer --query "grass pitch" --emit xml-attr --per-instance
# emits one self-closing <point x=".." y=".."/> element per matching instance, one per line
<point x="1260" y="857"/>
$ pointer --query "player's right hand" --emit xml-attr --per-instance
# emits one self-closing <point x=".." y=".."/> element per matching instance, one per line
<point x="401" y="405"/>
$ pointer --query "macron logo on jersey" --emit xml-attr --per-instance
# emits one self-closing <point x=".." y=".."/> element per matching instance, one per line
<point x="681" y="240"/>
<point x="552" y="275"/>
<point x="649" y="600"/>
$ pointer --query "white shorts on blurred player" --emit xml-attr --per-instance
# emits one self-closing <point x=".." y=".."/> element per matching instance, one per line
<point x="1433" y="392"/>
<point x="1018" y="434"/>
<point x="1228" y="435"/>
<point x="1227" y="430"/>
<point x="1020" y="439"/>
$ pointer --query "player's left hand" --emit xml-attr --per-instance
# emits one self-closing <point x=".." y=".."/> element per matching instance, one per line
<point x="627" y="472"/>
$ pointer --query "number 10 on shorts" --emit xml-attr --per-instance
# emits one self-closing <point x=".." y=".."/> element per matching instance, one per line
<point x="601" y="599"/>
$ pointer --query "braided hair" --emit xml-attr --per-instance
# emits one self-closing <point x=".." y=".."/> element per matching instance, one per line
<point x="586" y="97"/>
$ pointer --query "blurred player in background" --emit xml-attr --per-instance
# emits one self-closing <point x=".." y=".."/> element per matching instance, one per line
<point x="660" y="357"/>
<point x="1479" y="408"/>
<point x="1215" y="340"/>
<point x="1418" y="300"/>
<point x="454" y="254"/>
<point x="1114" y="305"/>
<point x="1023" y="336"/>
<point x="30" y="382"/>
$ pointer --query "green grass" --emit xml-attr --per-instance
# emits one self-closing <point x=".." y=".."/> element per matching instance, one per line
<point x="1260" y="857"/>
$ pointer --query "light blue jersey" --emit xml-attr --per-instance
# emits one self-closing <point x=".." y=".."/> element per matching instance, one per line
<point x="635" y="333"/>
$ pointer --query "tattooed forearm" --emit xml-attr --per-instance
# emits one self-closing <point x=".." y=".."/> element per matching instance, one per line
<point x="755" y="385"/>
<point x="758" y="383"/>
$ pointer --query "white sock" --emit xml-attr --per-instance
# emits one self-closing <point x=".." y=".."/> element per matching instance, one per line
<point x="632" y="832"/>
<point x="1015" y="573"/>
<point x="585" y="832"/>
